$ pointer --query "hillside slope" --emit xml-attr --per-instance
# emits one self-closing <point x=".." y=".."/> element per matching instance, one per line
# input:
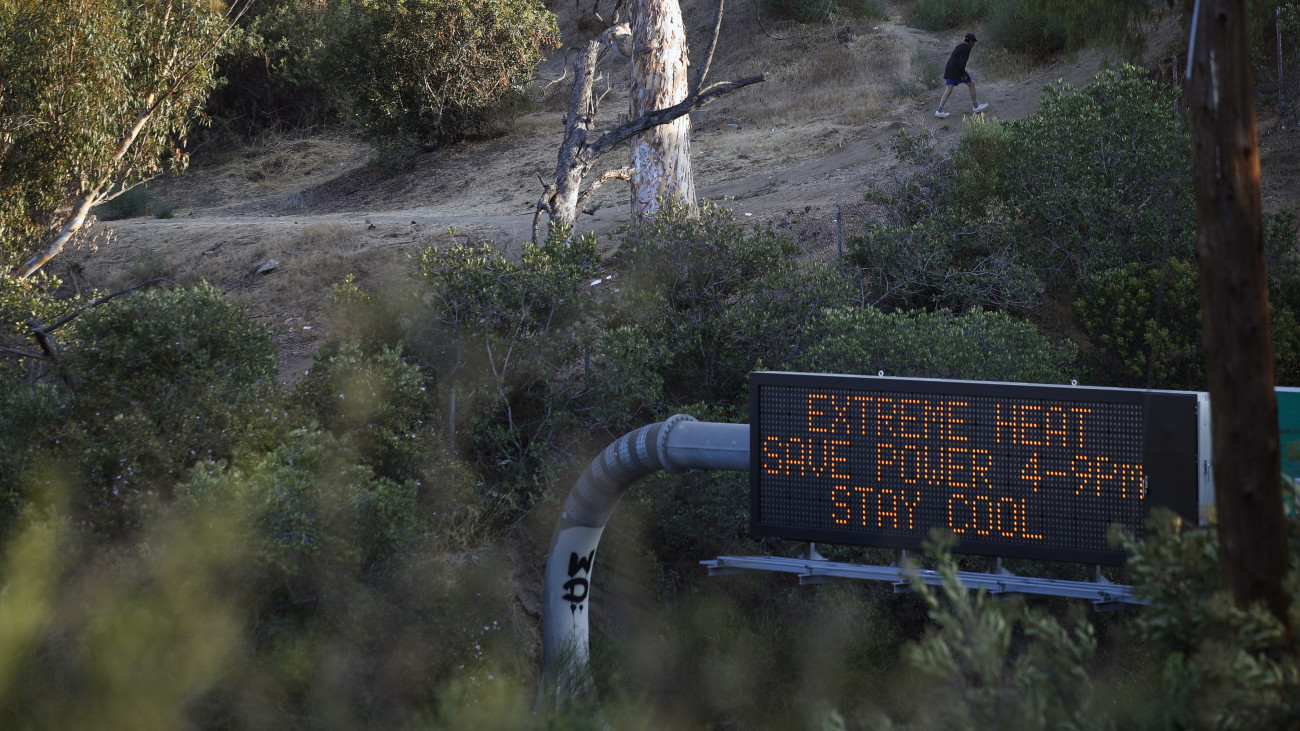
<point x="784" y="154"/>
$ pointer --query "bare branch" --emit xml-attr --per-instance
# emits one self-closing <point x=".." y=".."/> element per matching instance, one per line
<point x="662" y="116"/>
<point x="708" y="58"/>
<point x="44" y="330"/>
<point x="545" y="204"/>
<point x="564" y="199"/>
<point x="24" y="353"/>
<point x="584" y="200"/>
<point x="151" y="105"/>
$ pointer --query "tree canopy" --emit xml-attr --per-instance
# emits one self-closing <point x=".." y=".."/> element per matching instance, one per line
<point x="97" y="97"/>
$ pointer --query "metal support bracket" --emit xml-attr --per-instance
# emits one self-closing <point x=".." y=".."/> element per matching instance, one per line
<point x="1103" y="594"/>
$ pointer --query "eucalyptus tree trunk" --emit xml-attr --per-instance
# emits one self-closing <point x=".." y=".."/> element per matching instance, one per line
<point x="563" y="199"/>
<point x="661" y="156"/>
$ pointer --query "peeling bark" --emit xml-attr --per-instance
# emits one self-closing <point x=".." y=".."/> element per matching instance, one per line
<point x="563" y="199"/>
<point x="661" y="157"/>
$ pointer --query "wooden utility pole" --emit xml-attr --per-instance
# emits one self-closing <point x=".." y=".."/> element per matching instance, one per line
<point x="1220" y="94"/>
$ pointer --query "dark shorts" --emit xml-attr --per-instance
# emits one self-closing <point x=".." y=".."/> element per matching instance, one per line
<point x="953" y="82"/>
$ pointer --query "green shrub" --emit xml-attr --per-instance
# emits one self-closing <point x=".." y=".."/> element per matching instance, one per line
<point x="477" y="289"/>
<point x="1004" y="664"/>
<point x="309" y="509"/>
<point x="395" y="317"/>
<point x="1044" y="28"/>
<point x="133" y="203"/>
<point x="1145" y="327"/>
<point x="752" y="652"/>
<point x="23" y="301"/>
<point x="1147" y="322"/>
<point x="162" y="379"/>
<point x="945" y="14"/>
<point x="1100" y="176"/>
<point x="1218" y="665"/>
<point x="290" y="589"/>
<point x="506" y="347"/>
<point x="978" y="345"/>
<point x="376" y="402"/>
<point x="30" y="416"/>
<point x="436" y="70"/>
<point x="935" y="248"/>
<point x="713" y="300"/>
<point x="820" y="11"/>
<point x="167" y="349"/>
<point x="275" y="71"/>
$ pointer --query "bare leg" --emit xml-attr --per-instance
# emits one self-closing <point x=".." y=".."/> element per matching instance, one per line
<point x="947" y="92"/>
<point x="970" y="86"/>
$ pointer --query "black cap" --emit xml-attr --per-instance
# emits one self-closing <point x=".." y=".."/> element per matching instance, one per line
<point x="971" y="37"/>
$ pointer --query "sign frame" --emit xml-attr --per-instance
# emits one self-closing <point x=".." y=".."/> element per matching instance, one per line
<point x="1175" y="455"/>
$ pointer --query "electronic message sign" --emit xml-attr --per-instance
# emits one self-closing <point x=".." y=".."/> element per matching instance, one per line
<point x="1017" y="470"/>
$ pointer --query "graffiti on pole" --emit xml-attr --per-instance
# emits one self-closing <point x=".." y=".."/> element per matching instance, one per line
<point x="577" y="587"/>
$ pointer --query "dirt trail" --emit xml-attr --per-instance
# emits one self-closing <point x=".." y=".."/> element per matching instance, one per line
<point x="316" y="206"/>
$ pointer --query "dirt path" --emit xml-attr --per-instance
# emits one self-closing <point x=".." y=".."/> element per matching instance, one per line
<point x="314" y="205"/>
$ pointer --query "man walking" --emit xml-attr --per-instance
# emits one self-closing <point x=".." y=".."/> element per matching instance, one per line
<point x="955" y="73"/>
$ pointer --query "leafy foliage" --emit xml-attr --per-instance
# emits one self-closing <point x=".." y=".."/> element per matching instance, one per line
<point x="479" y="290"/>
<point x="1149" y="319"/>
<point x="1146" y="322"/>
<point x="1222" y="666"/>
<point x="978" y="345"/>
<point x="820" y="11"/>
<point x="1003" y="665"/>
<point x="30" y="415"/>
<point x="714" y="301"/>
<point x="1099" y="177"/>
<point x="434" y="70"/>
<point x="376" y="401"/>
<point x="938" y="248"/>
<point x="294" y="590"/>
<point x="945" y="14"/>
<point x="310" y="510"/>
<point x="94" y="102"/>
<point x="508" y="337"/>
<point x="162" y="379"/>
<point x="1043" y="28"/>
<point x="276" y="68"/>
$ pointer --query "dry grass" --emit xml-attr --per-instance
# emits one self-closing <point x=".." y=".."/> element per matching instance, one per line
<point x="318" y="258"/>
<point x="266" y="169"/>
<point x="847" y="72"/>
<point x="840" y="75"/>
<point x="310" y="261"/>
<point x="1000" y="64"/>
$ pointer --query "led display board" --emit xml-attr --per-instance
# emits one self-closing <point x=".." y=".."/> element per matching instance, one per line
<point x="1017" y="470"/>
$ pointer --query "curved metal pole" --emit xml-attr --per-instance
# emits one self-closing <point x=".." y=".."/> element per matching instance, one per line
<point x="678" y="444"/>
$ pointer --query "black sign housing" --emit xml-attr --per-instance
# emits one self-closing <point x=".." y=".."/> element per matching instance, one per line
<point x="1017" y="470"/>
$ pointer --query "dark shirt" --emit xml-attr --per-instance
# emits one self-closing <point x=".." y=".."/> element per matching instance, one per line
<point x="956" y="68"/>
